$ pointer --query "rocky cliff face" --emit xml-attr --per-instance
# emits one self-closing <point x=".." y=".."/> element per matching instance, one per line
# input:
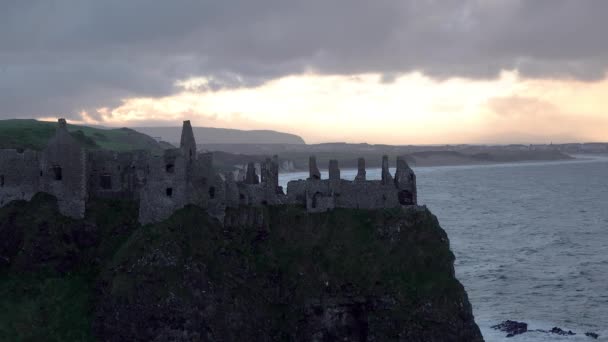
<point x="272" y="274"/>
<point x="283" y="274"/>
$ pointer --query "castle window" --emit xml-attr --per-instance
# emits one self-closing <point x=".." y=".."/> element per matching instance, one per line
<point x="405" y="197"/>
<point x="315" y="199"/>
<point x="170" y="168"/>
<point x="41" y="173"/>
<point x="105" y="181"/>
<point x="1" y="180"/>
<point x="169" y="192"/>
<point x="212" y="192"/>
<point x="57" y="172"/>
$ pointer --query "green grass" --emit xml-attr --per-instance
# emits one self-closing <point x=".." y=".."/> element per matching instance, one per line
<point x="39" y="308"/>
<point x="37" y="301"/>
<point x="33" y="134"/>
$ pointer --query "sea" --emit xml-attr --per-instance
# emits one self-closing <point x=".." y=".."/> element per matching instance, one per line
<point x="530" y="239"/>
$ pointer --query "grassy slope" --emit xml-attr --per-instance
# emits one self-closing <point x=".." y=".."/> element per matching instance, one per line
<point x="49" y="264"/>
<point x="33" y="134"/>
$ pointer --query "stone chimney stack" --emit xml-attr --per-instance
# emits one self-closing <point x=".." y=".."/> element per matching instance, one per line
<point x="188" y="143"/>
<point x="313" y="169"/>
<point x="62" y="124"/>
<point x="62" y="133"/>
<point x="334" y="175"/>
<point x="334" y="170"/>
<point x="274" y="174"/>
<point x="405" y="180"/>
<point x="251" y="177"/>
<point x="386" y="175"/>
<point x="360" y="170"/>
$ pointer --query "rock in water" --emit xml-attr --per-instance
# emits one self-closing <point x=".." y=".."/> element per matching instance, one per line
<point x="512" y="328"/>
<point x="559" y="331"/>
<point x="592" y="335"/>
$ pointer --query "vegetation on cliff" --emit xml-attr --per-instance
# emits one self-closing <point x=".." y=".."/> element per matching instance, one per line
<point x="279" y="274"/>
<point x="33" y="134"/>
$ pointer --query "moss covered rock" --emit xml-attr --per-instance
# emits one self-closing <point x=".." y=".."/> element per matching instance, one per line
<point x="272" y="274"/>
<point x="349" y="275"/>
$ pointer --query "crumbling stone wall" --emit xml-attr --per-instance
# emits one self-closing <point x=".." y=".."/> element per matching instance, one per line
<point x="116" y="175"/>
<point x="165" y="188"/>
<point x="178" y="177"/>
<point x="320" y="195"/>
<point x="19" y="175"/>
<point x="255" y="192"/>
<point x="63" y="172"/>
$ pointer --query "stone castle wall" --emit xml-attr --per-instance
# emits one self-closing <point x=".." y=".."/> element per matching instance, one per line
<point x="19" y="175"/>
<point x="320" y="195"/>
<point x="63" y="172"/>
<point x="178" y="177"/>
<point x="116" y="175"/>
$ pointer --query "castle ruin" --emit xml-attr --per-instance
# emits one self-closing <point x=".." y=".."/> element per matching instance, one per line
<point x="163" y="183"/>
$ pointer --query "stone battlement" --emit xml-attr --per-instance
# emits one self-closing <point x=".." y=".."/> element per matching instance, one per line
<point x="165" y="183"/>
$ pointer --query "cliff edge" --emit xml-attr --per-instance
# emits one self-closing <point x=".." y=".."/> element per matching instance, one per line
<point x="274" y="273"/>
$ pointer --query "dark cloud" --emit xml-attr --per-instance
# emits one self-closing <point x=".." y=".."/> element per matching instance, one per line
<point x="62" y="56"/>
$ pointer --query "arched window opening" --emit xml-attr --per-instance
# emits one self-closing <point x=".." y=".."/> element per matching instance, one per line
<point x="212" y="192"/>
<point x="105" y="181"/>
<point x="169" y="192"/>
<point x="57" y="172"/>
<point x="170" y="168"/>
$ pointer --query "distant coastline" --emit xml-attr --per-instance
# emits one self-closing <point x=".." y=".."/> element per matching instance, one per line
<point x="297" y="161"/>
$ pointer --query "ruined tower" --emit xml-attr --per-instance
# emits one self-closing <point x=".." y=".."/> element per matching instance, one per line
<point x="334" y="176"/>
<point x="360" y="170"/>
<point x="187" y="143"/>
<point x="251" y="176"/>
<point x="63" y="172"/>
<point x="313" y="170"/>
<point x="386" y="175"/>
<point x="405" y="181"/>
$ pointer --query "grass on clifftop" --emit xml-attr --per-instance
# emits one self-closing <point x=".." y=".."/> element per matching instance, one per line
<point x="35" y="307"/>
<point x="49" y="264"/>
<point x="33" y="134"/>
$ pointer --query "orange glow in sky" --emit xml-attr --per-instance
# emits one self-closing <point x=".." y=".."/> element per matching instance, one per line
<point x="412" y="109"/>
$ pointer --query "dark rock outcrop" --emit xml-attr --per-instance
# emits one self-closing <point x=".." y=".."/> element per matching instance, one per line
<point x="592" y="335"/>
<point x="512" y="328"/>
<point x="561" y="332"/>
<point x="273" y="274"/>
<point x="347" y="275"/>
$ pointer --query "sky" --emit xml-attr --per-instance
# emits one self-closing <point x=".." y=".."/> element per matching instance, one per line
<point x="382" y="71"/>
